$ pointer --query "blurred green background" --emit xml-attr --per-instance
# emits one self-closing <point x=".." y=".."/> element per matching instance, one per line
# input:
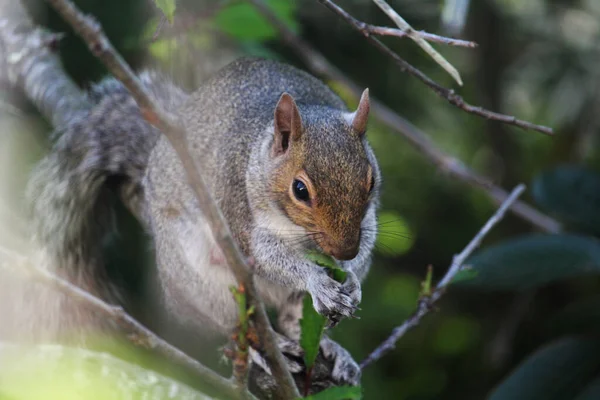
<point x="537" y="59"/>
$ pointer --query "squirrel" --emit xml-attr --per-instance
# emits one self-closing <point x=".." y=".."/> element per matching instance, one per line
<point x="288" y="164"/>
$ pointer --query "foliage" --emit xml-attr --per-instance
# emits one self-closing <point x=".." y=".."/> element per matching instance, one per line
<point x="243" y="22"/>
<point x="534" y="260"/>
<point x="313" y="324"/>
<point x="537" y="60"/>
<point x="572" y="193"/>
<point x="555" y="372"/>
<point x="566" y="368"/>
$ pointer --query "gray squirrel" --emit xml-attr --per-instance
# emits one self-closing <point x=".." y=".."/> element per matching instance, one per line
<point x="287" y="163"/>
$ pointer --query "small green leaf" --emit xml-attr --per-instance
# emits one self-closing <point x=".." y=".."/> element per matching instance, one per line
<point x="426" y="284"/>
<point x="555" y="372"/>
<point x="465" y="274"/>
<point x="328" y="262"/>
<point x="338" y="274"/>
<point x="338" y="393"/>
<point x="167" y="7"/>
<point x="312" y="325"/>
<point x="534" y="260"/>
<point x="321" y="259"/>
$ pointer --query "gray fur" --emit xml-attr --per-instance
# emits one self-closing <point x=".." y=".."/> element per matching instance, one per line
<point x="229" y="120"/>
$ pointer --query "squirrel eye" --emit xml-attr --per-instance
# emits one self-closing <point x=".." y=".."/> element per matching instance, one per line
<point x="300" y="190"/>
<point x="372" y="185"/>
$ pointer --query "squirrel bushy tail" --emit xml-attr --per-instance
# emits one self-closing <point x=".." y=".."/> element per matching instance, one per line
<point x="102" y="152"/>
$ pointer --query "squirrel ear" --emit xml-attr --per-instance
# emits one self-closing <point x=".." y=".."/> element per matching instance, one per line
<point x="361" y="115"/>
<point x="288" y="124"/>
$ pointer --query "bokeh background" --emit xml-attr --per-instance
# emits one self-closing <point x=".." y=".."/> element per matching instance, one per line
<point x="537" y="59"/>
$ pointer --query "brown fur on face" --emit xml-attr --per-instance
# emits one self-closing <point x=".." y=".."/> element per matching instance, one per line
<point x="332" y="163"/>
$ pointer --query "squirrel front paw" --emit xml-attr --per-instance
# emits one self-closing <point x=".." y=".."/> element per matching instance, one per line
<point x="352" y="286"/>
<point x="331" y="298"/>
<point x="345" y="370"/>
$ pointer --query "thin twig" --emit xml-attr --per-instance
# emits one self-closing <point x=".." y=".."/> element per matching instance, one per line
<point x="430" y="37"/>
<point x="441" y="91"/>
<point x="426" y="303"/>
<point x="420" y="41"/>
<point x="320" y="66"/>
<point x="20" y="264"/>
<point x="92" y="34"/>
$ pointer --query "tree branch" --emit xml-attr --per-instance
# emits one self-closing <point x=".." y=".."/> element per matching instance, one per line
<point x="92" y="34"/>
<point x="430" y="37"/>
<point x="441" y="91"/>
<point x="420" y="41"/>
<point x="320" y="66"/>
<point x="143" y="336"/>
<point x="27" y="60"/>
<point x="427" y="302"/>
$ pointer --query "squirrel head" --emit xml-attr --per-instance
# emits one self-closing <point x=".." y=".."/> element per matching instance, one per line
<point x="324" y="175"/>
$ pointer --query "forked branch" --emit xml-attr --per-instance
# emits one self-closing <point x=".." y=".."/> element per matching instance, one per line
<point x="440" y="90"/>
<point x="427" y="302"/>
<point x="430" y="37"/>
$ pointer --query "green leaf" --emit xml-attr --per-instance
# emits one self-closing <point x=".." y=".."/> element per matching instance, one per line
<point x="321" y="259"/>
<point x="338" y="393"/>
<point x="572" y="193"/>
<point x="312" y="325"/>
<point x="426" y="284"/>
<point x="465" y="274"/>
<point x="394" y="237"/>
<point x="328" y="262"/>
<point x="534" y="260"/>
<point x="243" y="22"/>
<point x="167" y="7"/>
<point x="554" y="372"/>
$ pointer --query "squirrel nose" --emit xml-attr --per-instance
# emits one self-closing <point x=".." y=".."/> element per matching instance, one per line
<point x="344" y="249"/>
<point x="345" y="253"/>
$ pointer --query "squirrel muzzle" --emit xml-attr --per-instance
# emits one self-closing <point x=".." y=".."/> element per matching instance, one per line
<point x="343" y="249"/>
